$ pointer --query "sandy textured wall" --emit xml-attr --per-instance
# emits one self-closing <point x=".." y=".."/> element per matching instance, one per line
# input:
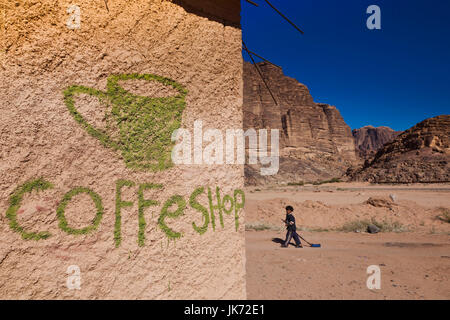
<point x="40" y="58"/>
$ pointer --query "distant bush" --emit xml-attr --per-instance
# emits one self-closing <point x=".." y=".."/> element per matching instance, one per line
<point x="312" y="229"/>
<point x="445" y="215"/>
<point x="355" y="226"/>
<point x="334" y="180"/>
<point x="361" y="226"/>
<point x="261" y="227"/>
<point x="301" y="183"/>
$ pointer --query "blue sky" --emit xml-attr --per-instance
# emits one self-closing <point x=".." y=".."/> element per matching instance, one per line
<point x="396" y="76"/>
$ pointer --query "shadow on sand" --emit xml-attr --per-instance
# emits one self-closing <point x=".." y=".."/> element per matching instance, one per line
<point x="278" y="240"/>
<point x="281" y="241"/>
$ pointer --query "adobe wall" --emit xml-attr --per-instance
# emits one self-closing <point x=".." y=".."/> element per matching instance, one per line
<point x="68" y="133"/>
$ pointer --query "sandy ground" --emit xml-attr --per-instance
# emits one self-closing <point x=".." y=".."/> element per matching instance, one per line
<point x="414" y="264"/>
<point x="430" y="195"/>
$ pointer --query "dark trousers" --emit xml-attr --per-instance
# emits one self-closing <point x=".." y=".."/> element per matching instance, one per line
<point x="292" y="234"/>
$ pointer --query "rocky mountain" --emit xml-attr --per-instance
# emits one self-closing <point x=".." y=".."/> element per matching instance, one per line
<point x="420" y="154"/>
<point x="369" y="140"/>
<point x="315" y="142"/>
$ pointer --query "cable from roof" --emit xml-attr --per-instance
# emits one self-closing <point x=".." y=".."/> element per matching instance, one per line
<point x="280" y="13"/>
<point x="284" y="17"/>
<point x="259" y="72"/>
<point x="253" y="3"/>
<point x="265" y="60"/>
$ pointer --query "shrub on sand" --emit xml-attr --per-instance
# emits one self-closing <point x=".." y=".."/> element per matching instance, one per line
<point x="361" y="226"/>
<point x="300" y="183"/>
<point x="445" y="215"/>
<point x="260" y="227"/>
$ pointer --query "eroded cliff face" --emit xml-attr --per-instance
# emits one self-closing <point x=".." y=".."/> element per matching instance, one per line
<point x="74" y="187"/>
<point x="420" y="154"/>
<point x="369" y="139"/>
<point x="315" y="141"/>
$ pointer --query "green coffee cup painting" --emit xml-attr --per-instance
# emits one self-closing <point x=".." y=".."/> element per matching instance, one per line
<point x="139" y="127"/>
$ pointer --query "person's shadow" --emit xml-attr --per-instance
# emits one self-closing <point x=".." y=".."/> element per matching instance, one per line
<point x="280" y="241"/>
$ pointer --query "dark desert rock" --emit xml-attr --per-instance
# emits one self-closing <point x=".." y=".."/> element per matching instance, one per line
<point x="373" y="229"/>
<point x="420" y="154"/>
<point x="315" y="142"/>
<point x="369" y="140"/>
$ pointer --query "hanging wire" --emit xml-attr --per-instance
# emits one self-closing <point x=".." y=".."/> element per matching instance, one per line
<point x="253" y="3"/>
<point x="284" y="17"/>
<point x="259" y="72"/>
<point x="264" y="59"/>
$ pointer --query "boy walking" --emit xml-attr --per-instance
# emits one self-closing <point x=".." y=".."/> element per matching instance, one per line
<point x="291" y="229"/>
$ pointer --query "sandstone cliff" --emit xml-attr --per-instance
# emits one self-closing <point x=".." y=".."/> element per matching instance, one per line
<point x="420" y="154"/>
<point x="369" y="140"/>
<point x="315" y="142"/>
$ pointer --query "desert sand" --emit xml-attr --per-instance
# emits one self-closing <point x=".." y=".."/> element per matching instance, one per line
<point x="413" y="254"/>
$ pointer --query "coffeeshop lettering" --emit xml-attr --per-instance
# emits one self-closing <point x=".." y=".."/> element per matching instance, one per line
<point x="211" y="214"/>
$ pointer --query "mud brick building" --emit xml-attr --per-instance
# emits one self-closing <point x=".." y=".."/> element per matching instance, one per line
<point x="75" y="188"/>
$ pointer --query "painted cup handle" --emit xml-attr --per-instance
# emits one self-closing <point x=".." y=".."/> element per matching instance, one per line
<point x="69" y="95"/>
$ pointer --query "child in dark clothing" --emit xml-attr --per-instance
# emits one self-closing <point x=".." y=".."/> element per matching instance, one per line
<point x="291" y="229"/>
